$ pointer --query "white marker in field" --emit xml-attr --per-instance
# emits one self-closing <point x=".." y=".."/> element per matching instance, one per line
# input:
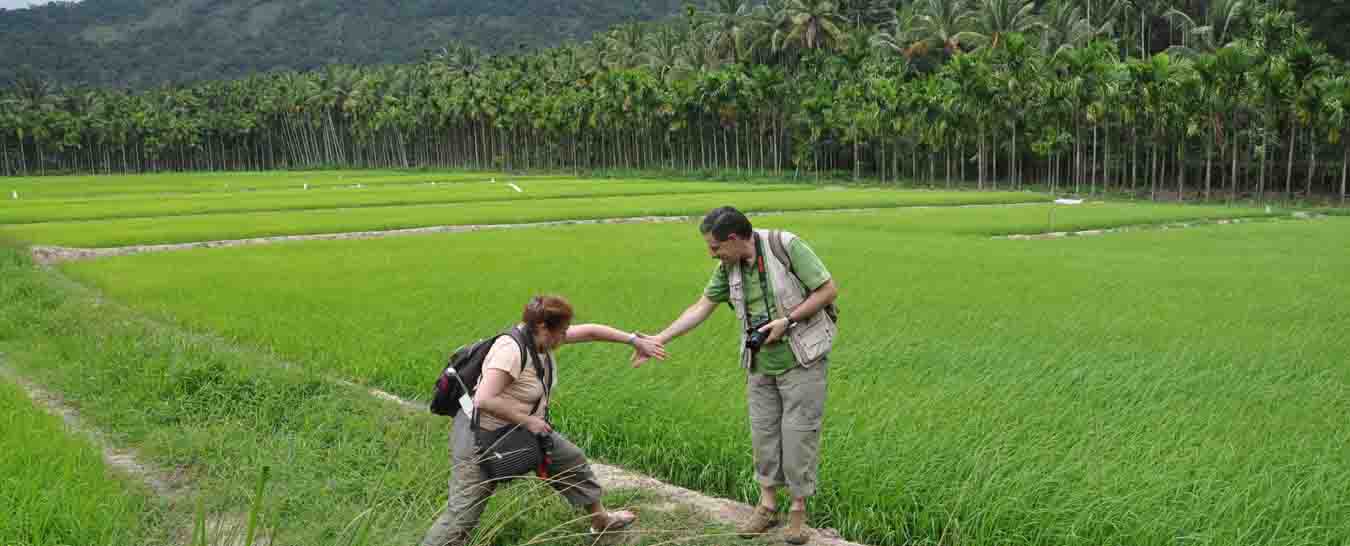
<point x="306" y="185"/>
<point x="515" y="187"/>
<point x="14" y="195"/>
<point x="493" y="181"/>
<point x="1060" y="201"/>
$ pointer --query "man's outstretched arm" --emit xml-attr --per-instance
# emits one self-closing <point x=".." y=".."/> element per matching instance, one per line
<point x="688" y="320"/>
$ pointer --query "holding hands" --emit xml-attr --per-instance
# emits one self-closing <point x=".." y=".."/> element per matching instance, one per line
<point x="646" y="348"/>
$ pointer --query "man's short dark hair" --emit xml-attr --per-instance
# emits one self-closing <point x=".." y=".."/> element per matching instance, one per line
<point x="722" y="222"/>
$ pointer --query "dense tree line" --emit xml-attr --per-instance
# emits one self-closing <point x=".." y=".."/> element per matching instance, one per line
<point x="1084" y="95"/>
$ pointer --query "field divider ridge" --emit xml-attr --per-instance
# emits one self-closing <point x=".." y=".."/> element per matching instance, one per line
<point x="1152" y="227"/>
<point x="49" y="254"/>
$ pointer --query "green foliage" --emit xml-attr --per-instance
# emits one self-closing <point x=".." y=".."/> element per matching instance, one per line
<point x="1105" y="390"/>
<point x="54" y="487"/>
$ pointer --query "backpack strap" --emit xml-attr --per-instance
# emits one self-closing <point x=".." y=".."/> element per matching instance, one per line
<point x="780" y="251"/>
<point x="522" y="340"/>
<point x="525" y="341"/>
<point x="776" y="245"/>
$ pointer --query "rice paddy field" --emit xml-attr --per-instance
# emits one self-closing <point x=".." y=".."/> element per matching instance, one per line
<point x="1145" y="387"/>
<point x="54" y="488"/>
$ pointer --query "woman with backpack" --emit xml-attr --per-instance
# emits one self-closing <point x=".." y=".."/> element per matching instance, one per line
<point x="513" y="394"/>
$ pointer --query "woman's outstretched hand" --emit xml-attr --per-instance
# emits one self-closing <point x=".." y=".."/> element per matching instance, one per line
<point x="646" y="348"/>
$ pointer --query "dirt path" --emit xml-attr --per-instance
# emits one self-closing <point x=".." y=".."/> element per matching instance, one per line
<point x="57" y="254"/>
<point x="726" y="512"/>
<point x="170" y="484"/>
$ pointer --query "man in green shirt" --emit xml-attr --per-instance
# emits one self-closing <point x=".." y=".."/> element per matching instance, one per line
<point x="778" y="287"/>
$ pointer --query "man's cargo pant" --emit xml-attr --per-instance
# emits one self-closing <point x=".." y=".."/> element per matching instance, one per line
<point x="786" y="412"/>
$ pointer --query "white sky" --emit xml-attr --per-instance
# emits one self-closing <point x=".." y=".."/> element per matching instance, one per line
<point x="18" y="4"/>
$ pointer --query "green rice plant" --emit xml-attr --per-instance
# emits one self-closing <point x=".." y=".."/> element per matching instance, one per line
<point x="140" y="205"/>
<point x="182" y="229"/>
<point x="1141" y="388"/>
<point x="55" y="488"/>
<point x="77" y="186"/>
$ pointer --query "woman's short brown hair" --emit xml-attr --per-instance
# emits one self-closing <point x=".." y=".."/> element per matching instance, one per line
<point x="552" y="311"/>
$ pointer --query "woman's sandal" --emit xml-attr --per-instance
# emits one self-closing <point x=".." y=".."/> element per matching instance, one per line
<point x="617" y="520"/>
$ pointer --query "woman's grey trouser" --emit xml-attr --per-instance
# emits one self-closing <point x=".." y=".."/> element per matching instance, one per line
<point x="469" y="492"/>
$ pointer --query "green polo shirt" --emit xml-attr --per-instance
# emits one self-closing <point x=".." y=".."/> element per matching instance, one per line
<point x="777" y="358"/>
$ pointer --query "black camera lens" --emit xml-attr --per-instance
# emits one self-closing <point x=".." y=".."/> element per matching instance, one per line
<point x="754" y="338"/>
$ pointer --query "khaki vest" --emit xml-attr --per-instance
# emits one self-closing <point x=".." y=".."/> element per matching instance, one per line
<point x="812" y="339"/>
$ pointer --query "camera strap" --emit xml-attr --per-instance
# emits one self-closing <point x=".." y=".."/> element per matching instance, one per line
<point x="763" y="284"/>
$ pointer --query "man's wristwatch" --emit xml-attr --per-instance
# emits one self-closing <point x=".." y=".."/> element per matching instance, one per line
<point x="632" y="338"/>
<point x="791" y="324"/>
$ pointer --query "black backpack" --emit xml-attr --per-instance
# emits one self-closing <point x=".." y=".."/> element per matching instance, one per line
<point x="461" y="373"/>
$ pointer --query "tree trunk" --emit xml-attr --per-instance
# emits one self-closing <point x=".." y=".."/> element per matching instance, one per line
<point x="993" y="158"/>
<point x="1312" y="165"/>
<point x="1181" y="170"/>
<point x="980" y="153"/>
<point x="961" y="159"/>
<point x="726" y="149"/>
<point x="1345" y="168"/>
<point x="1076" y="167"/>
<point x="1134" y="162"/>
<point x="1092" y="165"/>
<point x="1232" y="176"/>
<point x="1153" y="168"/>
<point x="1209" y="166"/>
<point x="857" y="164"/>
<point x="1289" y="173"/>
<point x="932" y="167"/>
<point x="1143" y="34"/>
<point x="1261" y="183"/>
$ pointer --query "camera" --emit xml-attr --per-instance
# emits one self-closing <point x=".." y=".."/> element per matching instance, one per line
<point x="754" y="339"/>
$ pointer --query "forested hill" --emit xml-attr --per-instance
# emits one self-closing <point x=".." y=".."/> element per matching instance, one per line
<point x="144" y="42"/>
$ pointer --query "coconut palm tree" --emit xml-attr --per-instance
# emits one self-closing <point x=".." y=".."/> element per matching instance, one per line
<point x="991" y="19"/>
<point x="941" y="23"/>
<point x="811" y="24"/>
<point x="1214" y="30"/>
